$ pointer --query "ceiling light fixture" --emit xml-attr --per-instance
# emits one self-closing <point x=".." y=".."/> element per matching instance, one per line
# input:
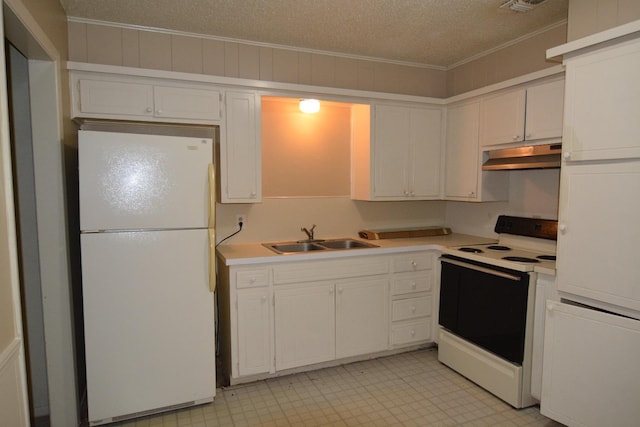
<point x="521" y="5"/>
<point x="309" y="106"/>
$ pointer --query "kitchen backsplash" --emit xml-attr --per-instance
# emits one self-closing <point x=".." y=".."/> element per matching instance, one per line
<point x="281" y="218"/>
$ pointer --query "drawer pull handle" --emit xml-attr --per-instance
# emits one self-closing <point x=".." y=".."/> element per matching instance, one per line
<point x="252" y="280"/>
<point x="413" y="333"/>
<point x="413" y="308"/>
<point x="413" y="264"/>
<point x="264" y="297"/>
<point x="413" y="285"/>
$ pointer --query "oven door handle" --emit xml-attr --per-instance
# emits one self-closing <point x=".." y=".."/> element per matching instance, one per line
<point x="482" y="269"/>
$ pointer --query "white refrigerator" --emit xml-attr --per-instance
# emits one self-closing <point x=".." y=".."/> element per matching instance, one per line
<point x="147" y="213"/>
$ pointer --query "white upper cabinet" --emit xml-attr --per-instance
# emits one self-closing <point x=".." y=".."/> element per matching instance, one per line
<point x="240" y="149"/>
<point x="502" y="118"/>
<point x="525" y="114"/>
<point x="602" y="115"/>
<point x="544" y="111"/>
<point x="139" y="99"/>
<point x="187" y="103"/>
<point x="400" y="158"/>
<point x="464" y="178"/>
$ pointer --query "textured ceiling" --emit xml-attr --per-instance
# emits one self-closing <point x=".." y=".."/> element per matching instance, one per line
<point x="430" y="32"/>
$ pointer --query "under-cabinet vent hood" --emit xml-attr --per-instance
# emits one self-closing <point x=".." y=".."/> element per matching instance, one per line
<point x="529" y="157"/>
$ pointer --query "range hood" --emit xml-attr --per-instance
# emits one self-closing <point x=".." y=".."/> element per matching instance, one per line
<point x="529" y="157"/>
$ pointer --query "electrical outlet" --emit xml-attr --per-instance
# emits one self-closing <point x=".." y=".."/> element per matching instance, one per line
<point x="241" y="218"/>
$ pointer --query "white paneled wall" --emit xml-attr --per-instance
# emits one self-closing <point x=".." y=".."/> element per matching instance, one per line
<point x="130" y="47"/>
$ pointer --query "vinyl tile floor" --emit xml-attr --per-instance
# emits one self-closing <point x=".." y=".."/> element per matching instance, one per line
<point x="409" y="389"/>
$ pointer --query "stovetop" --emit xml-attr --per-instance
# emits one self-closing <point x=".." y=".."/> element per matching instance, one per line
<point x="506" y="256"/>
<point x="532" y="246"/>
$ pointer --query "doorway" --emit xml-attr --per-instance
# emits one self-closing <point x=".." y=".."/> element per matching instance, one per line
<point x="27" y="233"/>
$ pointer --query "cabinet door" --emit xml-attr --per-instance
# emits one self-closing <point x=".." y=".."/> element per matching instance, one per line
<point x="362" y="317"/>
<point x="241" y="168"/>
<point x="502" y="118"/>
<point x="424" y="154"/>
<point x="392" y="135"/>
<point x="590" y="370"/>
<point x="186" y="103"/>
<point x="254" y="331"/>
<point x="545" y="104"/>
<point x="603" y="104"/>
<point x="116" y="99"/>
<point x="599" y="233"/>
<point x="461" y="153"/>
<point x="304" y="325"/>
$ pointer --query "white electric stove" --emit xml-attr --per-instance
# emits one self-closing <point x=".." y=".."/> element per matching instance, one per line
<point x="487" y="299"/>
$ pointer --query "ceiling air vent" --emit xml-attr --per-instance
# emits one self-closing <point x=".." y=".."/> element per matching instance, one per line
<point x="521" y="5"/>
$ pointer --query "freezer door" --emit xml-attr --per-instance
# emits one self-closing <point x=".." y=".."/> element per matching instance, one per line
<point x="590" y="369"/>
<point x="149" y="321"/>
<point x="133" y="181"/>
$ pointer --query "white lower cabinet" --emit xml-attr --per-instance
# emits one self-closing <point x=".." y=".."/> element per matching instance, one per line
<point x="254" y="343"/>
<point x="286" y="315"/>
<point x="304" y="324"/>
<point x="362" y="308"/>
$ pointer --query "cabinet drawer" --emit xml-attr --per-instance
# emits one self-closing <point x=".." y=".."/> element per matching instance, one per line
<point x="411" y="308"/>
<point x="411" y="283"/>
<point x="251" y="278"/>
<point x="413" y="262"/>
<point x="409" y="332"/>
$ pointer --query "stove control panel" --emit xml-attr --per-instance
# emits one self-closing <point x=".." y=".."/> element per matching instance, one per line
<point x="531" y="227"/>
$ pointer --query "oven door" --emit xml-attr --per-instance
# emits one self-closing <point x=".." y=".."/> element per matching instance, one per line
<point x="485" y="305"/>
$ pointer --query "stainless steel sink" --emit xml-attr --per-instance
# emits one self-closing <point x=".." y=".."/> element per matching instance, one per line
<point x="346" y="244"/>
<point x="293" y="247"/>
<point x="285" y="248"/>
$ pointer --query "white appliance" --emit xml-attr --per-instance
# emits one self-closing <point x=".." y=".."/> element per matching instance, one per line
<point x="147" y="217"/>
<point x="487" y="306"/>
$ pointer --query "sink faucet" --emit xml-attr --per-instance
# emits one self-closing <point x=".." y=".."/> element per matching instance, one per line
<point x="309" y="233"/>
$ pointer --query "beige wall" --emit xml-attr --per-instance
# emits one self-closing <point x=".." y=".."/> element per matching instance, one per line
<point x="524" y="57"/>
<point x="111" y="45"/>
<point x="303" y="154"/>
<point x="587" y="17"/>
<point x="532" y="193"/>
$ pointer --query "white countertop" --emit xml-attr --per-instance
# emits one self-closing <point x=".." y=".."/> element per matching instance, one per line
<point x="255" y="253"/>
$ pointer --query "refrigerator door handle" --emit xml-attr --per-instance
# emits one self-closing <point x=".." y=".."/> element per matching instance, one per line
<point x="212" y="196"/>
<point x="212" y="260"/>
<point x="212" y="228"/>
